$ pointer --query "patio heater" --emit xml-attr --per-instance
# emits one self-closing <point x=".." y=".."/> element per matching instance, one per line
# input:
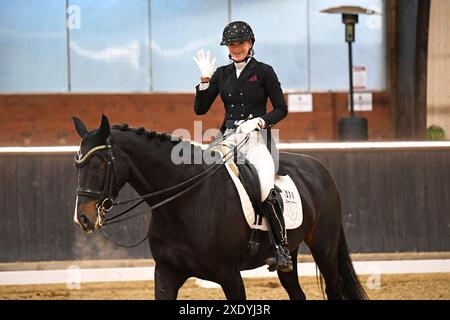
<point x="351" y="128"/>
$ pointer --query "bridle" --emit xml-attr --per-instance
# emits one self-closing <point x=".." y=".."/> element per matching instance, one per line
<point x="108" y="194"/>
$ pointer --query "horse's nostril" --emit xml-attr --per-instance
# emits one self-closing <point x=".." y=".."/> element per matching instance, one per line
<point x="84" y="221"/>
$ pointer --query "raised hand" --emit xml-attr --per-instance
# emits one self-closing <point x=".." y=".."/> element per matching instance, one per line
<point x="205" y="63"/>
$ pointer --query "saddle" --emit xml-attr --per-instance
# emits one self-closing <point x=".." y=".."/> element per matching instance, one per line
<point x="246" y="181"/>
<point x="250" y="180"/>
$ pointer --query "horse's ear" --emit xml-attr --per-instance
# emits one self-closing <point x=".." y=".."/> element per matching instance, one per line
<point x="104" y="128"/>
<point x="80" y="127"/>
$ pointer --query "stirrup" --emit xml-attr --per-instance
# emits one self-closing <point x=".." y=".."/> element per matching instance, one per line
<point x="280" y="261"/>
<point x="272" y="264"/>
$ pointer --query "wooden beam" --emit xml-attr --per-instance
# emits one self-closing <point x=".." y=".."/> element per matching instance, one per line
<point x="420" y="99"/>
<point x="412" y="19"/>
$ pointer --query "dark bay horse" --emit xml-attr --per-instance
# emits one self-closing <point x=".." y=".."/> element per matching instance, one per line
<point x="203" y="232"/>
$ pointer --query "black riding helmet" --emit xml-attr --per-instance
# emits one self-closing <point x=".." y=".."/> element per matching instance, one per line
<point x="237" y="31"/>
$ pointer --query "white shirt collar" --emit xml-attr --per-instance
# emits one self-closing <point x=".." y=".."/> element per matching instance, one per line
<point x="240" y="66"/>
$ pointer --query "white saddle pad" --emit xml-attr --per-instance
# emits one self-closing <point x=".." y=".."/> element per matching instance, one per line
<point x="293" y="214"/>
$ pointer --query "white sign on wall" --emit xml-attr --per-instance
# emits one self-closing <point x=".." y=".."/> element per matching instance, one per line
<point x="359" y="78"/>
<point x="300" y="102"/>
<point x="361" y="102"/>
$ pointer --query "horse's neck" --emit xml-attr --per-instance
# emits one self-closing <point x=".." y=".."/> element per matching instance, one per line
<point x="152" y="167"/>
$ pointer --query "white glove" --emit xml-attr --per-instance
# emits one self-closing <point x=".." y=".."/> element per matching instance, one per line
<point x="251" y="125"/>
<point x="205" y="63"/>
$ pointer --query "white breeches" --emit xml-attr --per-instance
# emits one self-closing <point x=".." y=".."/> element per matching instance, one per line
<point x="256" y="152"/>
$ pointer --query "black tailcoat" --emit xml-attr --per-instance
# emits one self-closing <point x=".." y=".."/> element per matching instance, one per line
<point x="245" y="96"/>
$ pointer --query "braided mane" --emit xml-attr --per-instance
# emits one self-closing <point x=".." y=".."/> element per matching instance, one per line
<point x="149" y="134"/>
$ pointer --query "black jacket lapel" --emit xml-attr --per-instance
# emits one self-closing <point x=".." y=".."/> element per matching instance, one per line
<point x="231" y="71"/>
<point x="249" y="69"/>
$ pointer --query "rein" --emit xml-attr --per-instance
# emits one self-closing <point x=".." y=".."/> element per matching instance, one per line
<point x="152" y="194"/>
<point x="107" y="202"/>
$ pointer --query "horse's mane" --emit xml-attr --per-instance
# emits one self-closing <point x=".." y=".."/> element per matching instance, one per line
<point x="163" y="137"/>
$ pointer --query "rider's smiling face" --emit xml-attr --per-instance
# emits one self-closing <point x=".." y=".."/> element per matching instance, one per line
<point x="239" y="50"/>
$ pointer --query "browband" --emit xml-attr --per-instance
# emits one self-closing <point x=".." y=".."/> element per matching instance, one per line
<point x="86" y="156"/>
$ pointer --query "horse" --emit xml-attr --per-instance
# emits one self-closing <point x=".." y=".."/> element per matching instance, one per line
<point x="202" y="232"/>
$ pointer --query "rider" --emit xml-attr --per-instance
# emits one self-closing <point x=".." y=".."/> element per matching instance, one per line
<point x="244" y="86"/>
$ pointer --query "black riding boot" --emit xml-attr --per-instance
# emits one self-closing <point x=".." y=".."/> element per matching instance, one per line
<point x="274" y="213"/>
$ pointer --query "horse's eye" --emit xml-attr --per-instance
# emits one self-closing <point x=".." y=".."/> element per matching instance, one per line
<point x="96" y="164"/>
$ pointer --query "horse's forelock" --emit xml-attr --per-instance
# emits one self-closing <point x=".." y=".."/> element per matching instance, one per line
<point x="91" y="140"/>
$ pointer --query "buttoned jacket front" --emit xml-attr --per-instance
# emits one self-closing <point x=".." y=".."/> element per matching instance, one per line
<point x="244" y="97"/>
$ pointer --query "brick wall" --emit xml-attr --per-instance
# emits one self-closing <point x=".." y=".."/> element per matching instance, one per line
<point x="45" y="119"/>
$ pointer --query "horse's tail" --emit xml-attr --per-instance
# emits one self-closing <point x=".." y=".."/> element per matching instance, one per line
<point x="352" y="288"/>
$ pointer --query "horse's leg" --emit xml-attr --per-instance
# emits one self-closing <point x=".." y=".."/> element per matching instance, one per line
<point x="168" y="280"/>
<point x="233" y="286"/>
<point x="324" y="247"/>
<point x="329" y="269"/>
<point x="289" y="280"/>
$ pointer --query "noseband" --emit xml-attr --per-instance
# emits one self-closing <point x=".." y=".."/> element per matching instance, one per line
<point x="108" y="193"/>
